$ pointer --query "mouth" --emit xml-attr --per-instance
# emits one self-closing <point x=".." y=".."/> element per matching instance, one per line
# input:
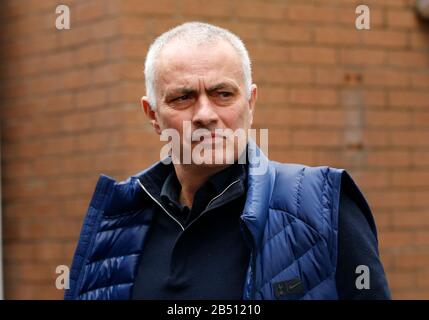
<point x="216" y="136"/>
<point x="209" y="137"/>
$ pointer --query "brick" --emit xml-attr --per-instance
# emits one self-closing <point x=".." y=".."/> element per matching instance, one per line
<point x="303" y="118"/>
<point x="91" y="98"/>
<point x="76" y="122"/>
<point x="410" y="294"/>
<point x="386" y="78"/>
<point x="374" y="98"/>
<point x="27" y="25"/>
<point x="418" y="39"/>
<point x="248" y="30"/>
<point x="370" y="179"/>
<point x="50" y="209"/>
<point x="402" y="19"/>
<point x="401" y="280"/>
<point x="130" y="70"/>
<point x="329" y="75"/>
<point x="396" y="239"/>
<point x="316" y="138"/>
<point x="49" y="83"/>
<point x="105" y="74"/>
<point x="164" y="7"/>
<point x="58" y="61"/>
<point x="335" y="118"/>
<point x="420" y="80"/>
<point x="75" y="79"/>
<point x="33" y="291"/>
<point x="88" y="11"/>
<point x="292" y="155"/>
<point x="422" y="281"/>
<point x="34" y="252"/>
<point x="365" y="57"/>
<point x="407" y="59"/>
<point x="76" y="208"/>
<point x="104" y="29"/>
<point x="420" y="158"/>
<point x="289" y="34"/>
<point x="126" y="92"/>
<point x="422" y="238"/>
<point x="410" y="137"/>
<point x="31" y="66"/>
<point x="31" y="273"/>
<point x="57" y="103"/>
<point x="42" y="6"/>
<point x="271" y="95"/>
<point x="337" y="35"/>
<point x="255" y="10"/>
<point x="404" y="4"/>
<point x="415" y="99"/>
<point x="420" y="198"/>
<point x="268" y="53"/>
<point x="313" y="55"/>
<point x="390" y="119"/>
<point x="311" y="13"/>
<point x="58" y="145"/>
<point x="77" y="35"/>
<point x="331" y="158"/>
<point x="282" y="75"/>
<point x="385" y="39"/>
<point x="279" y="137"/>
<point x="314" y="96"/>
<point x="13" y="10"/>
<point x="415" y="219"/>
<point x="123" y="48"/>
<point x="388" y="159"/>
<point x="91" y="54"/>
<point x="410" y="179"/>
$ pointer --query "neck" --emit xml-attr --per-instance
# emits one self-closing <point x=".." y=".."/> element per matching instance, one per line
<point x="191" y="177"/>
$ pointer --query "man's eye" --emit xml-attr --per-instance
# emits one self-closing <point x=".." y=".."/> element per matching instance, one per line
<point x="181" y="98"/>
<point x="225" y="94"/>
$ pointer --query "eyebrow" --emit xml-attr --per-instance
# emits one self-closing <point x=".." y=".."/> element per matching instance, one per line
<point x="222" y="85"/>
<point x="183" y="90"/>
<point x="188" y="90"/>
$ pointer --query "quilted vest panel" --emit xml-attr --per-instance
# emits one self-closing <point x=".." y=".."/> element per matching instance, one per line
<point x="291" y="215"/>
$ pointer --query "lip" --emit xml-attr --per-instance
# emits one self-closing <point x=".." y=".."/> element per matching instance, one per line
<point x="210" y="139"/>
<point x="214" y="135"/>
<point x="209" y="136"/>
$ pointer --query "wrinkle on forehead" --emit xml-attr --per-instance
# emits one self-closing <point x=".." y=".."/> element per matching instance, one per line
<point x="182" y="63"/>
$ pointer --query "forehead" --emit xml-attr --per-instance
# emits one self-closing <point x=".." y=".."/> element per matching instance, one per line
<point x="181" y="63"/>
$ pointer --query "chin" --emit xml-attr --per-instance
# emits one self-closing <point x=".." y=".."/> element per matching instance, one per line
<point x="223" y="159"/>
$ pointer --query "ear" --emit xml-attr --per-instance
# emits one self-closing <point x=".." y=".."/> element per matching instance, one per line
<point x="252" y="101"/>
<point x="151" y="114"/>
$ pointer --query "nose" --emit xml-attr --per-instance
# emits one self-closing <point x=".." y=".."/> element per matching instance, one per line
<point x="205" y="115"/>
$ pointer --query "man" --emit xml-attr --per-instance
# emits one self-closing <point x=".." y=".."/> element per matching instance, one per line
<point x="221" y="229"/>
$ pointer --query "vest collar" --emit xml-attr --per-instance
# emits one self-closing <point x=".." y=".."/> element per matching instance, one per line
<point x="261" y="177"/>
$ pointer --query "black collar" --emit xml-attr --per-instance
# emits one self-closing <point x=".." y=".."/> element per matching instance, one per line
<point x="213" y="187"/>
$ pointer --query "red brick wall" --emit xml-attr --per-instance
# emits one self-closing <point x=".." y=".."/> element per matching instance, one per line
<point x="329" y="94"/>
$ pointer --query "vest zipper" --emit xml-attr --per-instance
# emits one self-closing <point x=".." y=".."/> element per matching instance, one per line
<point x="148" y="193"/>
<point x="214" y="198"/>
<point x="166" y="211"/>
<point x="253" y="293"/>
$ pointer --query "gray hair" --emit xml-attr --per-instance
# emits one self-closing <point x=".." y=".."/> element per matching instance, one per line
<point x="195" y="33"/>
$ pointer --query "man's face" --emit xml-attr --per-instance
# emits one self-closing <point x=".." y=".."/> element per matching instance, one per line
<point x="203" y="85"/>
